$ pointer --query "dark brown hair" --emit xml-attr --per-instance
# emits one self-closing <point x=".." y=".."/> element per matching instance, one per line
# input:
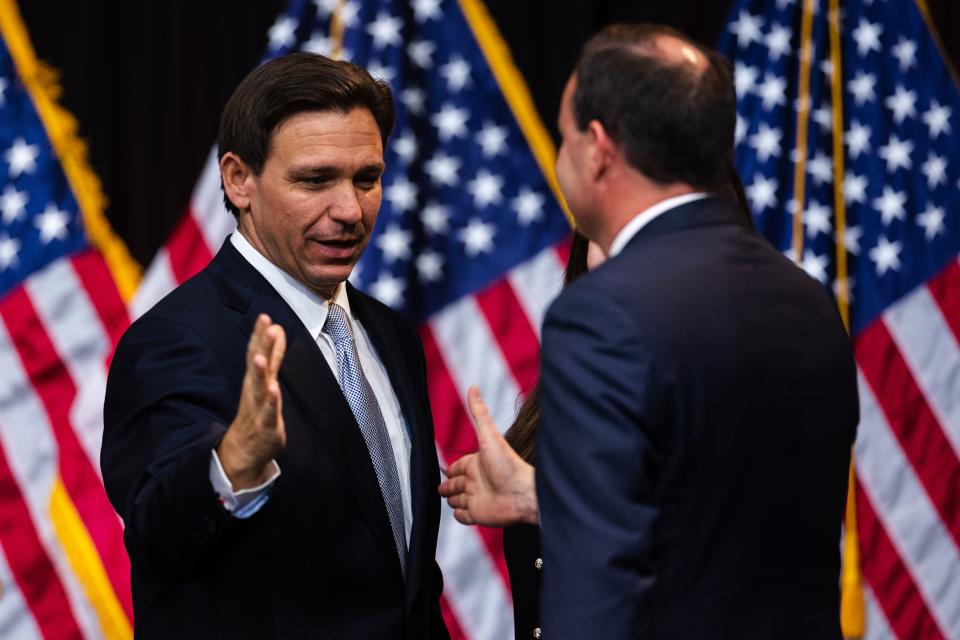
<point x="292" y="84"/>
<point x="522" y="434"/>
<point x="673" y="122"/>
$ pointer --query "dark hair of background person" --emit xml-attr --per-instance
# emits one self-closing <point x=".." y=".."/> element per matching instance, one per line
<point x="735" y="191"/>
<point x="522" y="434"/>
<point x="674" y="123"/>
<point x="292" y="84"/>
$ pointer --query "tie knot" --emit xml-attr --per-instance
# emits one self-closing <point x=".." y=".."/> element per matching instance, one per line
<point x="337" y="325"/>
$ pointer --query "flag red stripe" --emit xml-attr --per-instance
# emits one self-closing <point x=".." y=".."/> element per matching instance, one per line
<point x="911" y="420"/>
<point x="893" y="586"/>
<point x="513" y="332"/>
<point x="32" y="569"/>
<point x="455" y="435"/>
<point x="945" y="289"/>
<point x="187" y="248"/>
<point x="450" y="618"/>
<point x="56" y="390"/>
<point x="95" y="277"/>
<point x="562" y="250"/>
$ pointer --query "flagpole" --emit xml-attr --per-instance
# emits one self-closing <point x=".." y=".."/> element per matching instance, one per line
<point x="852" y="618"/>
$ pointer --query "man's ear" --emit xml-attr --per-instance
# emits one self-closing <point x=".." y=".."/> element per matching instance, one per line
<point x="603" y="151"/>
<point x="238" y="180"/>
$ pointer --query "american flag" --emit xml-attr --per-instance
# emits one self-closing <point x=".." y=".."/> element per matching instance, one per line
<point x="63" y="569"/>
<point x="470" y="242"/>
<point x="899" y="233"/>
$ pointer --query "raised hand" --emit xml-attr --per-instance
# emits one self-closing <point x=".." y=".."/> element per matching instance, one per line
<point x="257" y="435"/>
<point x="493" y="486"/>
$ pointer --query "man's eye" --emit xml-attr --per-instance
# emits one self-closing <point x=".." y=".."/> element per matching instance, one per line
<point x="367" y="180"/>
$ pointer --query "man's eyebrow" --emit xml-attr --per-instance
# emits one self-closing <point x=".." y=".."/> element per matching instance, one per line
<point x="333" y="170"/>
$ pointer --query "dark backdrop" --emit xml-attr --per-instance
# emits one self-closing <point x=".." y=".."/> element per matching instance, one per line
<point x="147" y="79"/>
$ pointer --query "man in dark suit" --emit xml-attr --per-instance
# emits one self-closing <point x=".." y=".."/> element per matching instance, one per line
<point x="268" y="438"/>
<point x="699" y="390"/>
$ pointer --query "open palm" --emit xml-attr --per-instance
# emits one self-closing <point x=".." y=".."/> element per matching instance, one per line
<point x="493" y="486"/>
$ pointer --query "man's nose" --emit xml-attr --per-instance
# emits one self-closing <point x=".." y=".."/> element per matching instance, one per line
<point x="345" y="207"/>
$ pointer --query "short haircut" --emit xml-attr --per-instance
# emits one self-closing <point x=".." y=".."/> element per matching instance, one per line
<point x="292" y="84"/>
<point x="673" y="122"/>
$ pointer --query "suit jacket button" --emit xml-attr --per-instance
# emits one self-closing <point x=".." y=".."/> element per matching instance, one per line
<point x="537" y="632"/>
<point x="538" y="563"/>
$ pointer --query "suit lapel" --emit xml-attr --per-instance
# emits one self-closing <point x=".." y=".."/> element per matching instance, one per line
<point x="401" y="372"/>
<point x="307" y="376"/>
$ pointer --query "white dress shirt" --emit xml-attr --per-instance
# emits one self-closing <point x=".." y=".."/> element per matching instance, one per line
<point x="647" y="216"/>
<point x="312" y="311"/>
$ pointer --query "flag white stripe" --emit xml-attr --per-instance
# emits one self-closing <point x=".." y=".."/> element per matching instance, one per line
<point x="915" y="529"/>
<point x="158" y="281"/>
<point x="877" y="627"/>
<point x="16" y="620"/>
<point x="930" y="349"/>
<point x="82" y="344"/>
<point x="474" y="357"/>
<point x="32" y="454"/>
<point x="471" y="584"/>
<point x="537" y="282"/>
<point x="207" y="207"/>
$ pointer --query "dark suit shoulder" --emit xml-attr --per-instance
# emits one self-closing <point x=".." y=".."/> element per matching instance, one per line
<point x="188" y="302"/>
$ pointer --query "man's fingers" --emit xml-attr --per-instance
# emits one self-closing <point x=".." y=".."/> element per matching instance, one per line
<point x="254" y="345"/>
<point x="480" y="415"/>
<point x="452" y="486"/>
<point x="463" y="516"/>
<point x="460" y="467"/>
<point x="277" y="351"/>
<point x="458" y="501"/>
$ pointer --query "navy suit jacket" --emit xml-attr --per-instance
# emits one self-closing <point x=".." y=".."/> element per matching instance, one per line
<point x="318" y="560"/>
<point x="699" y="406"/>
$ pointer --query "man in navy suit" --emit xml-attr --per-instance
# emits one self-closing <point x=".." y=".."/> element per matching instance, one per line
<point x="268" y="439"/>
<point x="699" y="390"/>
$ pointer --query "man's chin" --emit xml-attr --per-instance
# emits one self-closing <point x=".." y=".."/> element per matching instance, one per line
<point x="327" y="278"/>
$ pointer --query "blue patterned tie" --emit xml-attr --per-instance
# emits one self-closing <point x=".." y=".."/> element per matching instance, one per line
<point x="365" y="409"/>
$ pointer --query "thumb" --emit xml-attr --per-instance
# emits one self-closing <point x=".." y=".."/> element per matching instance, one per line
<point x="487" y="431"/>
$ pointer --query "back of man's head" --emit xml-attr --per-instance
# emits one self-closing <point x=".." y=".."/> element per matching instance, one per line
<point x="667" y="103"/>
<point x="292" y="84"/>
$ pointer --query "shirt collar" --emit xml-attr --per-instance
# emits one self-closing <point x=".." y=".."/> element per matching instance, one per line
<point x="647" y="216"/>
<point x="306" y="304"/>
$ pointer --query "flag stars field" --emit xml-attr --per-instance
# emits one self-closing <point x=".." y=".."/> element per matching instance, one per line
<point x="937" y="119"/>
<point x="886" y="255"/>
<point x="21" y="158"/>
<point x="486" y="189"/>
<point x="492" y="140"/>
<point x="477" y="237"/>
<point x="52" y="224"/>
<point x="13" y="204"/>
<point x="902" y="103"/>
<point x="394" y="243"/>
<point x="9" y="250"/>
<point x="405" y="146"/>
<point x="896" y="153"/>
<point x="451" y="122"/>
<point x="867" y="37"/>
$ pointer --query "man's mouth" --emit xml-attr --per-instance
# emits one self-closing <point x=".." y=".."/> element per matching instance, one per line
<point x="337" y="248"/>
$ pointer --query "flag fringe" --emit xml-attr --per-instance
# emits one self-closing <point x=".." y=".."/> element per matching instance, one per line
<point x="43" y="86"/>
<point x="515" y="92"/>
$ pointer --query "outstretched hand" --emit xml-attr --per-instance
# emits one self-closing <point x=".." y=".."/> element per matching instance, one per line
<point x="493" y="486"/>
<point x="257" y="434"/>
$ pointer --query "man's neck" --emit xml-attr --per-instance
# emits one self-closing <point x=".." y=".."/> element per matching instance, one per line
<point x="630" y="200"/>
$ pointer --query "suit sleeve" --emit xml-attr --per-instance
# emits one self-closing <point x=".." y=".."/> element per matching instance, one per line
<point x="167" y="406"/>
<point x="596" y="469"/>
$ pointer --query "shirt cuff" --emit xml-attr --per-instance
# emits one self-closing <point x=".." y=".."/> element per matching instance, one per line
<point x="246" y="502"/>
